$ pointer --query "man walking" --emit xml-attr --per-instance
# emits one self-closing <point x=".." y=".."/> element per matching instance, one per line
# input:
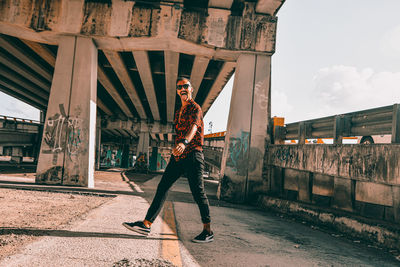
<point x="187" y="157"/>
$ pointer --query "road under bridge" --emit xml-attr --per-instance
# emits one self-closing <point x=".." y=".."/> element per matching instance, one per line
<point x="103" y="69"/>
<point x="109" y="68"/>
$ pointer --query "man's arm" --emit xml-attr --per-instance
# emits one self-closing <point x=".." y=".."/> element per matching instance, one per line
<point x="178" y="150"/>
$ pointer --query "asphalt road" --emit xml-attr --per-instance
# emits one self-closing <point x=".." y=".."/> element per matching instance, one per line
<point x="247" y="236"/>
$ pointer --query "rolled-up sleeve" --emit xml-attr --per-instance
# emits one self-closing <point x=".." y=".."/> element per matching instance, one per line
<point x="196" y="116"/>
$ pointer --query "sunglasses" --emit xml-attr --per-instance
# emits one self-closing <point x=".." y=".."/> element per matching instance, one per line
<point x="180" y="86"/>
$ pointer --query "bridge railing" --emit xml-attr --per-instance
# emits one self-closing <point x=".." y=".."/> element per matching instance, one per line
<point x="213" y="155"/>
<point x="16" y="119"/>
<point x="377" y="121"/>
<point x="10" y="125"/>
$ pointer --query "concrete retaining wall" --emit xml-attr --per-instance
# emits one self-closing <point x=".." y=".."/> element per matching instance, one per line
<point x="362" y="180"/>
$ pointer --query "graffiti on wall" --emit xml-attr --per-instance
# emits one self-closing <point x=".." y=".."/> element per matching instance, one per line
<point x="108" y="159"/>
<point x="62" y="133"/>
<point x="283" y="154"/>
<point x="241" y="158"/>
<point x="141" y="164"/>
<point x="262" y="98"/>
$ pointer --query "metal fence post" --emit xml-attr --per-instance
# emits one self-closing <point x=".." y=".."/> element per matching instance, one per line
<point x="302" y="133"/>
<point x="338" y="130"/>
<point x="396" y="124"/>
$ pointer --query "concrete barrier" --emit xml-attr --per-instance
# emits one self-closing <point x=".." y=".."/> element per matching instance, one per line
<point x="361" y="181"/>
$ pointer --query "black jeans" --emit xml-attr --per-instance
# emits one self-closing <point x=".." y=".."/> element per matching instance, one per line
<point x="193" y="166"/>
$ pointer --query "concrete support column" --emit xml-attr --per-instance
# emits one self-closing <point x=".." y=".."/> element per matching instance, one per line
<point x="98" y="143"/>
<point x="142" y="152"/>
<point x="42" y="116"/>
<point x="153" y="159"/>
<point x="67" y="153"/>
<point x="125" y="153"/>
<point x="250" y="112"/>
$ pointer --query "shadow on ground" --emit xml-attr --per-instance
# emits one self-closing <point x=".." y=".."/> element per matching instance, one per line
<point x="66" y="233"/>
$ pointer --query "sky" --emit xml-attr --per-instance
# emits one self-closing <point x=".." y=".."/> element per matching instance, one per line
<point x="332" y="57"/>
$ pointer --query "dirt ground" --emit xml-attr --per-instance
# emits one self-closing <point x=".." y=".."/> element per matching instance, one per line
<point x="26" y="215"/>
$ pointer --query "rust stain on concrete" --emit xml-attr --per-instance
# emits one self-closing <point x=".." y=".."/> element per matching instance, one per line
<point x="96" y="18"/>
<point x="192" y="26"/>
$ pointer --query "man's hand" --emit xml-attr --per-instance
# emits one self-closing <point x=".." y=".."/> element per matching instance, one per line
<point x="178" y="150"/>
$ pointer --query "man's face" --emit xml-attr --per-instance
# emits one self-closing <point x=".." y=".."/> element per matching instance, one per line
<point x="184" y="90"/>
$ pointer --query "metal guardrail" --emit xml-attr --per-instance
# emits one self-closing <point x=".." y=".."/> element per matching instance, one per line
<point x="213" y="155"/>
<point x="15" y="119"/>
<point x="383" y="120"/>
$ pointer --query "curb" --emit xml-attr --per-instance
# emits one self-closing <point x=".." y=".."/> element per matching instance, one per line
<point x="379" y="233"/>
<point x="131" y="184"/>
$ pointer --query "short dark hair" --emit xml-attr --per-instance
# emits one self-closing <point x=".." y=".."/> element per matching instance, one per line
<point x="181" y="78"/>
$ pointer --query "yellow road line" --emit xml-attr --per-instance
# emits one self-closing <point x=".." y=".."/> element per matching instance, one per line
<point x="170" y="248"/>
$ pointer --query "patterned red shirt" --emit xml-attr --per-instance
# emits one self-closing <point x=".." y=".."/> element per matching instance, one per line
<point x="191" y="114"/>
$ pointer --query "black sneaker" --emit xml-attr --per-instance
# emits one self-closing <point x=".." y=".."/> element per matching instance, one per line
<point x="138" y="227"/>
<point x="204" y="237"/>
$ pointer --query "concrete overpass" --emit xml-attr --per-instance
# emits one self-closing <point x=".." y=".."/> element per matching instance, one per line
<point x="19" y="138"/>
<point x="109" y="67"/>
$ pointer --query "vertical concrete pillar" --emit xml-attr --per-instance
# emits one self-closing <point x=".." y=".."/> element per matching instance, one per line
<point x="250" y="112"/>
<point x="153" y="159"/>
<point x="396" y="202"/>
<point x="142" y="152"/>
<point x="67" y="153"/>
<point x="42" y="116"/>
<point x="98" y="143"/>
<point x="125" y="153"/>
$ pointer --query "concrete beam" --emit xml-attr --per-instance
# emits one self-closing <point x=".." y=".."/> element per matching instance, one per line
<point x="170" y="18"/>
<point x="154" y="143"/>
<point x="173" y="44"/>
<point x="171" y="74"/>
<point x="20" y="97"/>
<point x="216" y="32"/>
<point x="20" y="90"/>
<point x="270" y="7"/>
<point x="170" y="137"/>
<point x="114" y="132"/>
<point x="225" y="4"/>
<point x="26" y="59"/>
<point x="218" y="85"/>
<point x="119" y="67"/>
<point x="107" y="84"/>
<point x="131" y="133"/>
<point x="105" y="131"/>
<point x="140" y="127"/>
<point x="153" y="136"/>
<point x="118" y="25"/>
<point x="23" y="71"/>
<point x="143" y="65"/>
<point x="11" y="138"/>
<point x="121" y="13"/>
<point x="198" y="70"/>
<point x="122" y="132"/>
<point x="42" y="51"/>
<point x="103" y="107"/>
<point x="22" y="82"/>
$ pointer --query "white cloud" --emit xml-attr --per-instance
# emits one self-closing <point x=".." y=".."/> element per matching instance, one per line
<point x="341" y="89"/>
<point x="390" y="43"/>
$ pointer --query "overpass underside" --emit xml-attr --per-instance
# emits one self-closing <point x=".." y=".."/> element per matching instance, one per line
<point x="102" y="69"/>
